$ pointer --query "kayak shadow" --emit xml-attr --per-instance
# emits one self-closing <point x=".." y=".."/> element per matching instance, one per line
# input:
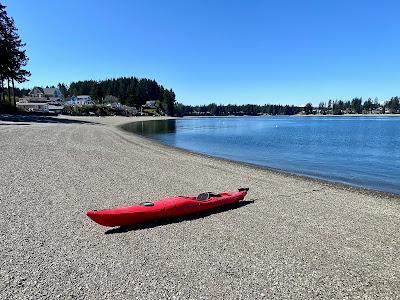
<point x="156" y="223"/>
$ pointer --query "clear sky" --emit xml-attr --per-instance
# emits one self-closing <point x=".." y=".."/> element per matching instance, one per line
<point x="287" y="52"/>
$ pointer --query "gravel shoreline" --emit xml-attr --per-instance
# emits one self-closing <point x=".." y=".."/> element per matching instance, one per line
<point x="300" y="238"/>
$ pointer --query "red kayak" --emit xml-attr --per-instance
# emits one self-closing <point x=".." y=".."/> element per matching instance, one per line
<point x="164" y="208"/>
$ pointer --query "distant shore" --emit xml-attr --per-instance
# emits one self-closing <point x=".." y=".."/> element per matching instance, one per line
<point x="301" y="238"/>
<point x="349" y="115"/>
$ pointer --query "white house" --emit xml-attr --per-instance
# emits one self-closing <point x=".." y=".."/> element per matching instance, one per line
<point x="119" y="106"/>
<point x="80" y="100"/>
<point x="150" y="104"/>
<point x="33" y="106"/>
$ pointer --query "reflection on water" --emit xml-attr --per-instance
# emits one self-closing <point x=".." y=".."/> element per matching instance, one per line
<point x="149" y="128"/>
<point x="361" y="151"/>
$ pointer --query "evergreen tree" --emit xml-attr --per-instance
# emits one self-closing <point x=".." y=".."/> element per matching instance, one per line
<point x="375" y="105"/>
<point x="368" y="106"/>
<point x="356" y="106"/>
<point x="13" y="57"/>
<point x="308" y="109"/>
<point x="63" y="89"/>
<point x="393" y="105"/>
<point x="322" y="108"/>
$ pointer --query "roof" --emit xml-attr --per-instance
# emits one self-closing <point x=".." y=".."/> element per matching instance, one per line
<point x="56" y="107"/>
<point x="150" y="104"/>
<point x="46" y="91"/>
<point x="50" y="91"/>
<point x="36" y="89"/>
<point x="31" y="103"/>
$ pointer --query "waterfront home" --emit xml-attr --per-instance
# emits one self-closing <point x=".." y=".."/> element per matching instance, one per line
<point x="128" y="109"/>
<point x="56" y="107"/>
<point x="36" y="92"/>
<point x="33" y="106"/>
<point x="115" y="105"/>
<point x="150" y="108"/>
<point x="80" y="100"/>
<point x="42" y="100"/>
<point x="39" y="94"/>
<point x="150" y="104"/>
<point x="46" y="107"/>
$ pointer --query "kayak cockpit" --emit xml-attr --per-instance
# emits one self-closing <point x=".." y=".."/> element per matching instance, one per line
<point x="207" y="196"/>
<point x="146" y="203"/>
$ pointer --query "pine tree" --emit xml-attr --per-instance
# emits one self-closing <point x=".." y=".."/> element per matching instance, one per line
<point x="3" y="49"/>
<point x="308" y="109"/>
<point x="63" y="89"/>
<point x="13" y="56"/>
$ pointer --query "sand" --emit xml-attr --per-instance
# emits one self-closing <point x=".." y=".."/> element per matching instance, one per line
<point x="299" y="239"/>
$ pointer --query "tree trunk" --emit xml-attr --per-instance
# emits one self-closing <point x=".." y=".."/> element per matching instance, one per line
<point x="2" y="97"/>
<point x="8" y="90"/>
<point x="13" y="89"/>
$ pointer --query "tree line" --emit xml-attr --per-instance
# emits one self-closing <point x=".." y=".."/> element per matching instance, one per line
<point x="333" y="107"/>
<point x="13" y="58"/>
<point x="130" y="91"/>
<point x="354" y="106"/>
<point x="235" y="110"/>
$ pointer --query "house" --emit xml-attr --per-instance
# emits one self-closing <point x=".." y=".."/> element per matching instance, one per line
<point x="42" y="100"/>
<point x="132" y="110"/>
<point x="80" y="100"/>
<point x="150" y="108"/>
<point x="36" y="92"/>
<point x="55" y="107"/>
<point x="39" y="94"/>
<point x="33" y="106"/>
<point x="150" y="104"/>
<point x="120" y="107"/>
<point x="46" y="107"/>
<point x="115" y="105"/>
<point x="54" y="93"/>
<point x="84" y="99"/>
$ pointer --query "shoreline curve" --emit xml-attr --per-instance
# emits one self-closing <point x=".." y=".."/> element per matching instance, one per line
<point x="331" y="183"/>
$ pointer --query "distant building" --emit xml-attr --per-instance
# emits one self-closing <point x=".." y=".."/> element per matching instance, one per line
<point x="150" y="108"/>
<point x="84" y="99"/>
<point x="118" y="106"/>
<point x="80" y="100"/>
<point x="150" y="104"/>
<point x="132" y="110"/>
<point x="33" y="106"/>
<point x="56" y="108"/>
<point x="53" y="93"/>
<point x="45" y="107"/>
<point x="115" y="105"/>
<point x="38" y="94"/>
<point x="42" y="100"/>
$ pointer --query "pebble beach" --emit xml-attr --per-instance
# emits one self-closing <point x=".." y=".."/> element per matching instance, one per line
<point x="294" y="238"/>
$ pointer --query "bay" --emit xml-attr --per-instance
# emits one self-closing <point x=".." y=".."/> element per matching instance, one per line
<point x="362" y="151"/>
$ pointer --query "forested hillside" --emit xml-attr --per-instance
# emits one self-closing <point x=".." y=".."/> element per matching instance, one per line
<point x="130" y="91"/>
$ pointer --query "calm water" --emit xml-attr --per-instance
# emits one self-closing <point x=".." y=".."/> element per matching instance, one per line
<point x="361" y="151"/>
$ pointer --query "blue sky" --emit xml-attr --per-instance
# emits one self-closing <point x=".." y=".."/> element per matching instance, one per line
<point x="287" y="52"/>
